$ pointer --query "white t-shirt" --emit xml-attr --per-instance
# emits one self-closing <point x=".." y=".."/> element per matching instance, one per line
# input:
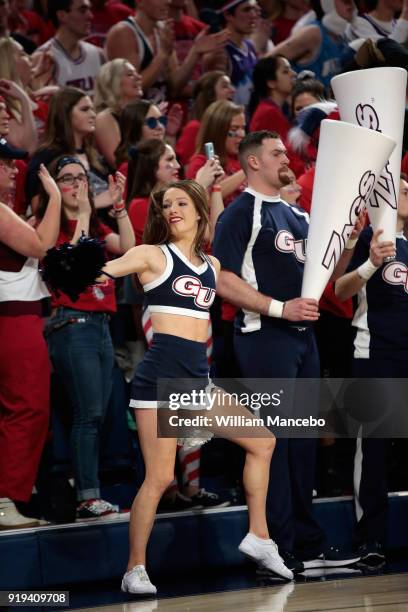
<point x="80" y="72"/>
<point x="366" y="26"/>
<point x="23" y="286"/>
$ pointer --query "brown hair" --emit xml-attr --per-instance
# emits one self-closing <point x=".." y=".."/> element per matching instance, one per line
<point x="251" y="143"/>
<point x="307" y="85"/>
<point x="204" y="92"/>
<point x="143" y="165"/>
<point x="131" y="121"/>
<point x="215" y="124"/>
<point x="59" y="134"/>
<point x="94" y="223"/>
<point x="157" y="230"/>
<point x="264" y="71"/>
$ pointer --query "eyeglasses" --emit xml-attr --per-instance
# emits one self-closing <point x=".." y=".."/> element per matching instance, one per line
<point x="237" y="132"/>
<point x="152" y="122"/>
<point x="70" y="179"/>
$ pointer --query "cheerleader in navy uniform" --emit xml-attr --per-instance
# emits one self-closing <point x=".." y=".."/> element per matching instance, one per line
<point x="179" y="282"/>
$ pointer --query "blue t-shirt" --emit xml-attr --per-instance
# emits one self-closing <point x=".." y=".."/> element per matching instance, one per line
<point x="262" y="239"/>
<point x="242" y="63"/>
<point x="381" y="317"/>
<point x="333" y="55"/>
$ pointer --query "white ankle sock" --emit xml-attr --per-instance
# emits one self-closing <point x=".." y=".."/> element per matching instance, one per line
<point x="258" y="540"/>
<point x="134" y="567"/>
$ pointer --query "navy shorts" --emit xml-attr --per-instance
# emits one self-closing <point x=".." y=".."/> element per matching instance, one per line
<point x="169" y="357"/>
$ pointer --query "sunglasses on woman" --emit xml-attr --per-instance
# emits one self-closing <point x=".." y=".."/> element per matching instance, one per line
<point x="152" y="122"/>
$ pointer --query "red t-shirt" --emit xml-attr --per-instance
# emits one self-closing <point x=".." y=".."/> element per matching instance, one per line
<point x="281" y="29"/>
<point x="40" y="117"/>
<point x="123" y="168"/>
<point x="328" y="301"/>
<point x="49" y="32"/>
<point x="98" y="298"/>
<point x="185" y="32"/>
<point x="306" y="182"/>
<point x="138" y="211"/>
<point x="231" y="166"/>
<point x="106" y="17"/>
<point x="404" y="165"/>
<point x="186" y="143"/>
<point x="29" y="24"/>
<point x="296" y="163"/>
<point x="268" y="116"/>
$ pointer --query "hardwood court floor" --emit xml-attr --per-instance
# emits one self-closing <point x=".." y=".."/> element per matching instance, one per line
<point x="384" y="593"/>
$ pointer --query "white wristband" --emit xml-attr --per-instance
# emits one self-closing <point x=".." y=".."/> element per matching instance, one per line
<point x="351" y="243"/>
<point x="367" y="269"/>
<point x="276" y="309"/>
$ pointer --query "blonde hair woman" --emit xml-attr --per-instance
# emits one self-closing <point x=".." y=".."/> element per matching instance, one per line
<point x="15" y="78"/>
<point x="117" y="84"/>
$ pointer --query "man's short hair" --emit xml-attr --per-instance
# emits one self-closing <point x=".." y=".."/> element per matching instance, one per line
<point x="251" y="143"/>
<point x="57" y="5"/>
<point x="228" y="8"/>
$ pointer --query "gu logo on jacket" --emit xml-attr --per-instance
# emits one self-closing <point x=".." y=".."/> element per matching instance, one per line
<point x="191" y="286"/>
<point x="396" y="273"/>
<point x="286" y="243"/>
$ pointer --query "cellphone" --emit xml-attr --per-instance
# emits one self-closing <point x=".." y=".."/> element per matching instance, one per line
<point x="209" y="150"/>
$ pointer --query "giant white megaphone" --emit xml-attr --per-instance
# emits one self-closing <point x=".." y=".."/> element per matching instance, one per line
<point x="375" y="99"/>
<point x="349" y="162"/>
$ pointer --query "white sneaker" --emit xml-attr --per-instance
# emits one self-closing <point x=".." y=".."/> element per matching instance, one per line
<point x="137" y="581"/>
<point x="10" y="517"/>
<point x="266" y="554"/>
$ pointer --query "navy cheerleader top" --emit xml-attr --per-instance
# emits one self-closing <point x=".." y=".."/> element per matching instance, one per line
<point x="183" y="288"/>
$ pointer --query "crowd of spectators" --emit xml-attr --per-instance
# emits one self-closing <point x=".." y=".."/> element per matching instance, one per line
<point x="116" y="99"/>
